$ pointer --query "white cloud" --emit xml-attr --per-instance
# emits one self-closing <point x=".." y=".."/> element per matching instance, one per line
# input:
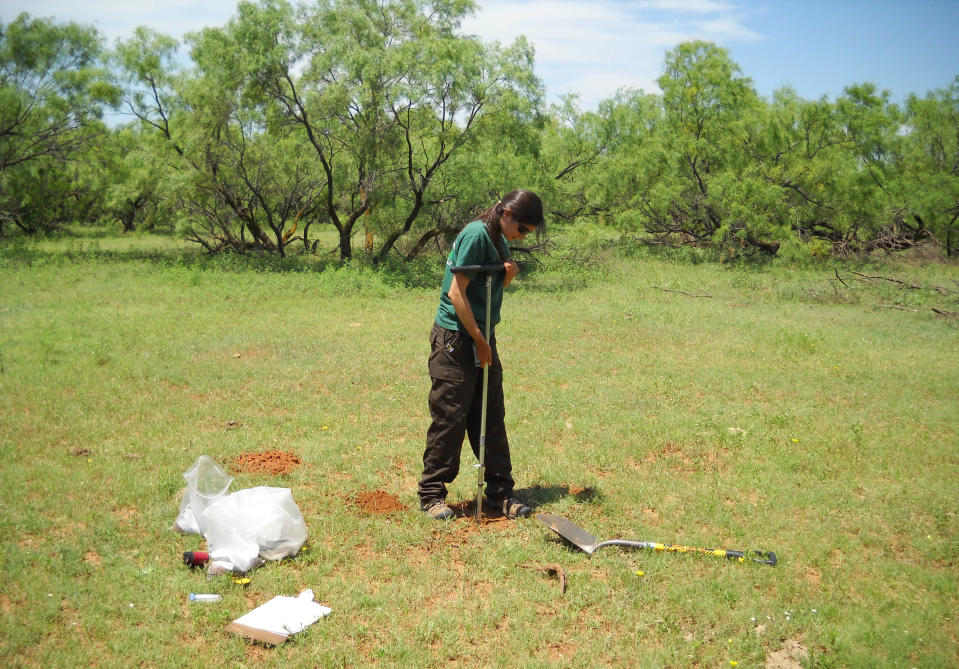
<point x="729" y="29"/>
<point x="598" y="47"/>
<point x="692" y="6"/>
<point x="118" y="18"/>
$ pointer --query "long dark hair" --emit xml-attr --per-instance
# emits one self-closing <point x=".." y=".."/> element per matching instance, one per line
<point x="526" y="207"/>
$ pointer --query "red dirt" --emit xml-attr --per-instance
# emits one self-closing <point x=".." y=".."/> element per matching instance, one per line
<point x="467" y="509"/>
<point x="379" y="502"/>
<point x="267" y="462"/>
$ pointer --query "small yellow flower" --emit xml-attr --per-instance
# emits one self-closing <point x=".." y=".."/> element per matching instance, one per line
<point x="795" y="441"/>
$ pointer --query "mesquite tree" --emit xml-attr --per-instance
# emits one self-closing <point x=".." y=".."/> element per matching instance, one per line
<point x="53" y="90"/>
<point x="234" y="179"/>
<point x="384" y="93"/>
<point x="339" y="112"/>
<point x="930" y="164"/>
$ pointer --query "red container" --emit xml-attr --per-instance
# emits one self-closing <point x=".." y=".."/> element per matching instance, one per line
<point x="196" y="558"/>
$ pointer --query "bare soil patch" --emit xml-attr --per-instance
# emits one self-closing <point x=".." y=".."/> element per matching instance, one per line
<point x="266" y="462"/>
<point x="790" y="656"/>
<point x="467" y="509"/>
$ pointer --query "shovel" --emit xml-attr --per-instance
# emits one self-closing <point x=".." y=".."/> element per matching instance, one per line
<point x="586" y="542"/>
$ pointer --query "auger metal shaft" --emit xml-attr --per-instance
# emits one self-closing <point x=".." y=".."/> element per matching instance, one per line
<point x="481" y="467"/>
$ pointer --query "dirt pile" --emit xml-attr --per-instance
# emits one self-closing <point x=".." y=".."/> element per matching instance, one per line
<point x="266" y="462"/>
<point x="378" y="502"/>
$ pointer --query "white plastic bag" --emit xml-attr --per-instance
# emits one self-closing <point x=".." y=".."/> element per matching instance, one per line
<point x="205" y="482"/>
<point x="244" y="528"/>
<point x="249" y="526"/>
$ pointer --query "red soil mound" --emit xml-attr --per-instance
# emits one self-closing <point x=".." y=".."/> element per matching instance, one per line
<point x="267" y="462"/>
<point x="379" y="502"/>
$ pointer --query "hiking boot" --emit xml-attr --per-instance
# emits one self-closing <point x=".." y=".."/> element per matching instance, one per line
<point x="438" y="510"/>
<point x="513" y="507"/>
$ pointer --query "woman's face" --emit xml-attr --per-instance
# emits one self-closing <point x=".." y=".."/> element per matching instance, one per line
<point x="513" y="229"/>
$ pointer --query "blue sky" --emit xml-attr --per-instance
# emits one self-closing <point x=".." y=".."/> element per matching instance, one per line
<point x="595" y="47"/>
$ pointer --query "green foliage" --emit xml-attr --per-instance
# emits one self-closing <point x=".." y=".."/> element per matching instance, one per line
<point x="53" y="90"/>
<point x="710" y="164"/>
<point x="131" y="199"/>
<point x="593" y="163"/>
<point x="930" y="165"/>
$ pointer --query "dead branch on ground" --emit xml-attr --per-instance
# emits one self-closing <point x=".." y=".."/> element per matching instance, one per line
<point x="682" y="292"/>
<point x="895" y="306"/>
<point x="551" y="569"/>
<point x="911" y="286"/>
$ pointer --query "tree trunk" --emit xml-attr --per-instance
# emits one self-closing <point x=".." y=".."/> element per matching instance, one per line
<point x="258" y="233"/>
<point x="770" y="247"/>
<point x="427" y="238"/>
<point x="346" y="245"/>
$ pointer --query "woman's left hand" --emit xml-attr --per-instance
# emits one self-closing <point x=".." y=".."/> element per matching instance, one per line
<point x="512" y="269"/>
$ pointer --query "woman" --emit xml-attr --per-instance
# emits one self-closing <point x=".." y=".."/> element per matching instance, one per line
<point x="459" y="351"/>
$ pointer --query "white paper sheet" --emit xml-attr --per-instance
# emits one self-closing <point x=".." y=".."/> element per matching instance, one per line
<point x="285" y="615"/>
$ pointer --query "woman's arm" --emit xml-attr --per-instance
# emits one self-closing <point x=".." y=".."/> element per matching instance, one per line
<point x="457" y="295"/>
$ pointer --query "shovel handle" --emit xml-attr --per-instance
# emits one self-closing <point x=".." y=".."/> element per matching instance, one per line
<point x="762" y="557"/>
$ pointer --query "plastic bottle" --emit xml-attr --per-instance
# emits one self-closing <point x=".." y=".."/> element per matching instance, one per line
<point x="204" y="597"/>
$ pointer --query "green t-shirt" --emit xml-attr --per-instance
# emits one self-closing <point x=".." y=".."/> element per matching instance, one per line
<point x="473" y="246"/>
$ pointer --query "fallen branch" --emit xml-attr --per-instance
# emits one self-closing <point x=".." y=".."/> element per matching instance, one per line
<point x="947" y="314"/>
<point x="682" y="292"/>
<point x="890" y="279"/>
<point x="895" y="306"/>
<point x="552" y="569"/>
<point x="912" y="286"/>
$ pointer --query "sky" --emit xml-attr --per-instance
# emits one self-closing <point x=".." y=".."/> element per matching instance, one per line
<point x="595" y="47"/>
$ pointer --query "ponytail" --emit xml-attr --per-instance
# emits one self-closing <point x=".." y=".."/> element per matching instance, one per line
<point x="491" y="217"/>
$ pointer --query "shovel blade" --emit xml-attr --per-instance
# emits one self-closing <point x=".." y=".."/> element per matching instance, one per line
<point x="575" y="535"/>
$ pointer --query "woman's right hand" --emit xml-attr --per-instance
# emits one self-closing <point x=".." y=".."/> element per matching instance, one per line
<point x="483" y="352"/>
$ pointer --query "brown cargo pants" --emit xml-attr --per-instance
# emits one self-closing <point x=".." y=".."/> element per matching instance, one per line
<point x="456" y="401"/>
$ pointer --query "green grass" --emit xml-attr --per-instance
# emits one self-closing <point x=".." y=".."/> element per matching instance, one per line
<point x="788" y="412"/>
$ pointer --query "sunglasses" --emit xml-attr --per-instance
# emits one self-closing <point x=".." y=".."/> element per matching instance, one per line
<point x="525" y="229"/>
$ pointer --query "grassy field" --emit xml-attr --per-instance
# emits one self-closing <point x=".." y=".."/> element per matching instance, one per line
<point x="810" y="412"/>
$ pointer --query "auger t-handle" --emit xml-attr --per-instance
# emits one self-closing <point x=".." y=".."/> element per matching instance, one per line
<point x="483" y="269"/>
